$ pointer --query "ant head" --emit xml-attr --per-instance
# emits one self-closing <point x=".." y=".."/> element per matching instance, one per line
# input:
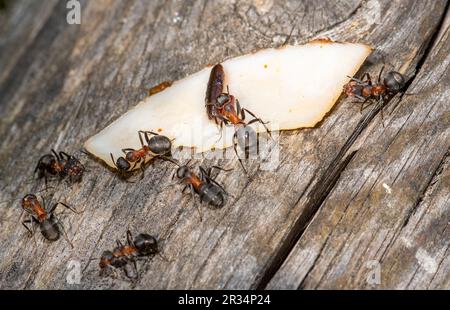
<point x="394" y="81"/>
<point x="160" y="145"/>
<point x="122" y="164"/>
<point x="146" y="244"/>
<point x="223" y="99"/>
<point x="106" y="258"/>
<point x="183" y="172"/>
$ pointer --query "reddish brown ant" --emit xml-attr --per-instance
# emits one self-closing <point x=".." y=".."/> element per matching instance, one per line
<point x="157" y="146"/>
<point x="143" y="245"/>
<point x="209" y="191"/>
<point x="365" y="90"/>
<point x="226" y="109"/>
<point x="59" y="164"/>
<point x="49" y="225"/>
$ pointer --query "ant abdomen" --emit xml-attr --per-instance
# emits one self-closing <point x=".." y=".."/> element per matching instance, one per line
<point x="49" y="229"/>
<point x="160" y="145"/>
<point x="394" y="81"/>
<point x="212" y="195"/>
<point x="146" y="244"/>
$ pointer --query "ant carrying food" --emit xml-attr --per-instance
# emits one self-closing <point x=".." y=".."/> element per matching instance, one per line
<point x="209" y="191"/>
<point x="143" y="245"/>
<point x="49" y="225"/>
<point x="157" y="146"/>
<point x="226" y="109"/>
<point x="365" y="90"/>
<point x="59" y="164"/>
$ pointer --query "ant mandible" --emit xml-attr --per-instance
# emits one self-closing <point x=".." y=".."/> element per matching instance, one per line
<point x="143" y="245"/>
<point x="365" y="90"/>
<point x="224" y="108"/>
<point x="157" y="146"/>
<point x="209" y="191"/>
<point x="59" y="164"/>
<point x="49" y="225"/>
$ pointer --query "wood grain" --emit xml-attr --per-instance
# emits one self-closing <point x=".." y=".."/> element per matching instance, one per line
<point x="311" y="222"/>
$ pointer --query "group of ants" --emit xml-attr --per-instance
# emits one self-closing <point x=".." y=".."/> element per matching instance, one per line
<point x="222" y="108"/>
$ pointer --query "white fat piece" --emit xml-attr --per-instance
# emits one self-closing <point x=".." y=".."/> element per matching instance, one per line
<point x="290" y="87"/>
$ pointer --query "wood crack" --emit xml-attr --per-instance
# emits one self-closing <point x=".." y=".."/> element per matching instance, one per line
<point x="318" y="194"/>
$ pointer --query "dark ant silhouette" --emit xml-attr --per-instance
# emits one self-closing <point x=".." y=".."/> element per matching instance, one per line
<point x="365" y="90"/>
<point x="49" y="225"/>
<point x="202" y="184"/>
<point x="143" y="245"/>
<point x="157" y="146"/>
<point x="224" y="108"/>
<point x="59" y="164"/>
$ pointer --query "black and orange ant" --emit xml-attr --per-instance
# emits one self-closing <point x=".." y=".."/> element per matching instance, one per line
<point x="365" y="90"/>
<point x="224" y="108"/>
<point x="209" y="191"/>
<point x="59" y="164"/>
<point x="49" y="225"/>
<point x="143" y="245"/>
<point x="157" y="146"/>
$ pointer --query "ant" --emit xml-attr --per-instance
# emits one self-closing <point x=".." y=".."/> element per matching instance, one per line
<point x="61" y="164"/>
<point x="49" y="225"/>
<point x="225" y="109"/>
<point x="157" y="145"/>
<point x="121" y="255"/>
<point x="366" y="90"/>
<point x="203" y="184"/>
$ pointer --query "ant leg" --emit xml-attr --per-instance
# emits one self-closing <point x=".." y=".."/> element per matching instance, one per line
<point x="239" y="110"/>
<point x="142" y="167"/>
<point x="62" y="154"/>
<point x="119" y="243"/>
<point x="125" y="151"/>
<point x="169" y="159"/>
<point x="362" y="105"/>
<point x="64" y="205"/>
<point x="195" y="203"/>
<point x="379" y="75"/>
<point x="114" y="162"/>
<point x="236" y="152"/>
<point x="64" y="232"/>
<point x="381" y="103"/>
<point x="56" y="155"/>
<point x="208" y="172"/>
<point x="140" y="132"/>
<point x="360" y="82"/>
<point x="130" y="238"/>
<point x="368" y="80"/>
<point x="257" y="119"/>
<point x="24" y="223"/>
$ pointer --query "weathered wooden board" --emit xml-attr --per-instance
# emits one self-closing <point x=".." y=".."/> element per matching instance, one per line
<point x="391" y="207"/>
<point x="72" y="80"/>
